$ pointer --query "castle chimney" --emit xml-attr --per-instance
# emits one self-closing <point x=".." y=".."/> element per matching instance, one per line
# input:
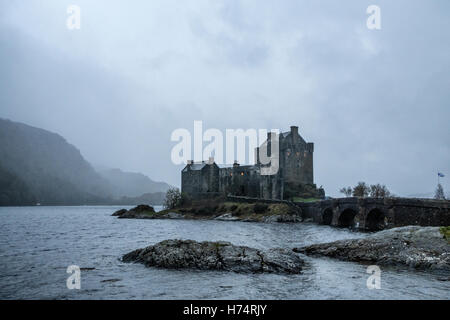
<point x="294" y="130"/>
<point x="235" y="164"/>
<point x="189" y="162"/>
<point x="211" y="160"/>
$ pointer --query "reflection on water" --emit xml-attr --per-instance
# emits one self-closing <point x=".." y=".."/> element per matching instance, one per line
<point x="37" y="244"/>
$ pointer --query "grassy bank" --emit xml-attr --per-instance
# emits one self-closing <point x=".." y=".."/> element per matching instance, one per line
<point x="243" y="211"/>
<point x="297" y="199"/>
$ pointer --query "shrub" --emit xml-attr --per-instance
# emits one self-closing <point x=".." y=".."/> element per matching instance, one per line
<point x="203" y="211"/>
<point x="173" y="198"/>
<point x="260" y="207"/>
<point x="439" y="194"/>
<point x="238" y="212"/>
<point x="445" y="231"/>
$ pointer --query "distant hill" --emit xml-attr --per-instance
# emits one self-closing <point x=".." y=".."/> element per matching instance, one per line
<point x="131" y="184"/>
<point x="38" y="166"/>
<point x="156" y="198"/>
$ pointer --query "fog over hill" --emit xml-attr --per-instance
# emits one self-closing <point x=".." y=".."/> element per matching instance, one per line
<point x="131" y="184"/>
<point x="38" y="166"/>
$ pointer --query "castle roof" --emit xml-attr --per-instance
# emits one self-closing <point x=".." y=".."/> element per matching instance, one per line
<point x="195" y="166"/>
<point x="198" y="166"/>
<point x="224" y="166"/>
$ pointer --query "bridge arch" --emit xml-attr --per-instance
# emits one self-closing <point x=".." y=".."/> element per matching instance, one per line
<point x="347" y="218"/>
<point x="327" y="216"/>
<point x="375" y="220"/>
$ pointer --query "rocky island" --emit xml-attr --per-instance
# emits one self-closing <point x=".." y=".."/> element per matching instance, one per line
<point x="223" y="256"/>
<point x="413" y="246"/>
<point x="418" y="247"/>
<point x="225" y="211"/>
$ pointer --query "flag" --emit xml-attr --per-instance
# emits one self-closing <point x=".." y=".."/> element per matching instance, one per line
<point x="441" y="175"/>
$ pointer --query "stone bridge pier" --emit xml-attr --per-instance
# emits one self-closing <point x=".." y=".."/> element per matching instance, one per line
<point x="374" y="214"/>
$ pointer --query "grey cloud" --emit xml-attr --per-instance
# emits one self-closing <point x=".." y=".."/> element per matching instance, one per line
<point x="374" y="102"/>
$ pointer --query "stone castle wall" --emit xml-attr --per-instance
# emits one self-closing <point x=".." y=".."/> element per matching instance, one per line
<point x="294" y="177"/>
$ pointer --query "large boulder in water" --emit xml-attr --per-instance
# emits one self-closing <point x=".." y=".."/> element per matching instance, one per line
<point x="120" y="212"/>
<point x="414" y="246"/>
<point x="140" y="212"/>
<point x="182" y="254"/>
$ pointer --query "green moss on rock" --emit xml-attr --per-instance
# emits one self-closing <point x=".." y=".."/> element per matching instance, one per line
<point x="445" y="231"/>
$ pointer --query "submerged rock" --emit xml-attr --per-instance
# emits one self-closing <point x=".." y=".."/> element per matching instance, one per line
<point x="182" y="254"/>
<point x="414" y="246"/>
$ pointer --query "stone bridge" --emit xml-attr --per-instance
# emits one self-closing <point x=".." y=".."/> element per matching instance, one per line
<point x="370" y="213"/>
<point x="377" y="214"/>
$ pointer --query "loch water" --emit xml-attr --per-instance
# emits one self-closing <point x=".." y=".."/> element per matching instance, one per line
<point x="37" y="244"/>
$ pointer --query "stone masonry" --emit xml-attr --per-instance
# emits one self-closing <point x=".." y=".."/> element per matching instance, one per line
<point x="294" y="178"/>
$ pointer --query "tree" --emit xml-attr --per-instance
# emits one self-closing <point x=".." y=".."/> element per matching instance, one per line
<point x="346" y="191"/>
<point x="173" y="198"/>
<point x="379" y="191"/>
<point x="439" y="195"/>
<point x="361" y="190"/>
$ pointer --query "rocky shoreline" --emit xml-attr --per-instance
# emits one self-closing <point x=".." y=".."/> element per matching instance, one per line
<point x="228" y="211"/>
<point x="223" y="256"/>
<point x="412" y="246"/>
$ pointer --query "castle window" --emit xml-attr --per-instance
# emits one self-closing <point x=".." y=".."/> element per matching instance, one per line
<point x="298" y="154"/>
<point x="242" y="173"/>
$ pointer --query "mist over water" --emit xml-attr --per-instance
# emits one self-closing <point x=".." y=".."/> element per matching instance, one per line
<point x="37" y="244"/>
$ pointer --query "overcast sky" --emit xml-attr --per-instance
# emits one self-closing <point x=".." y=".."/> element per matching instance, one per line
<point x="374" y="102"/>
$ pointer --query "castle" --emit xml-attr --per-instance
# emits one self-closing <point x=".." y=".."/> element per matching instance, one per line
<point x="293" y="179"/>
